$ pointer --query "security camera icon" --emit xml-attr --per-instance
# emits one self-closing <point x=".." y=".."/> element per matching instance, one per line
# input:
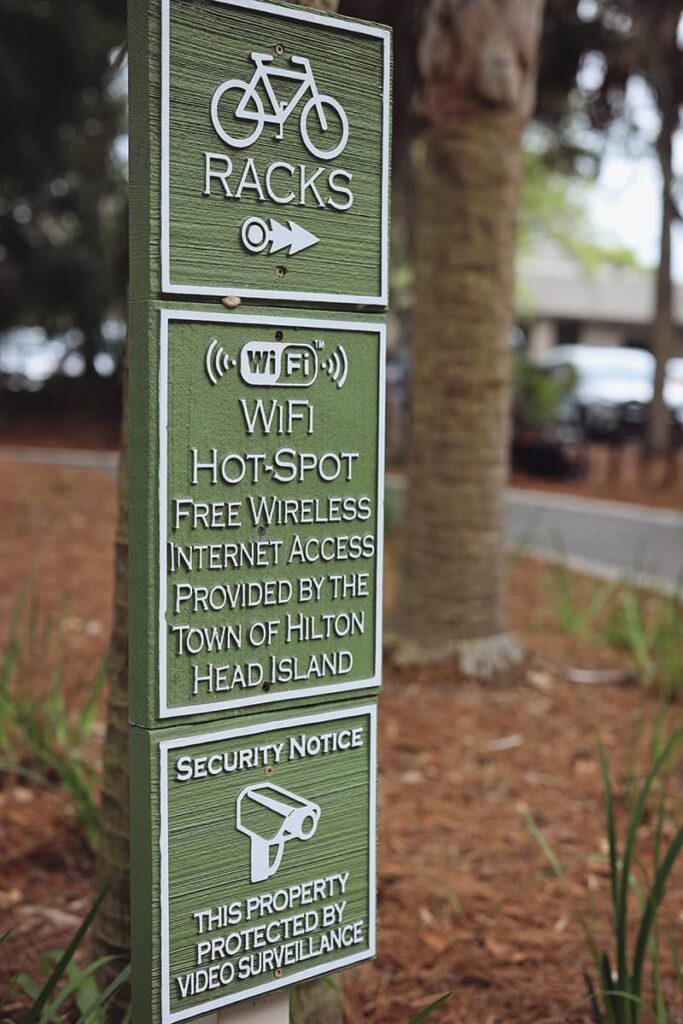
<point x="271" y="817"/>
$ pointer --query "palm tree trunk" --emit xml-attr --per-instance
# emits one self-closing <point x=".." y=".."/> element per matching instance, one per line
<point x="478" y="62"/>
<point x="663" y="332"/>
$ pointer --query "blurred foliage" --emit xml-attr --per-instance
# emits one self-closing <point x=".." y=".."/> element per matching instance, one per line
<point x="539" y="394"/>
<point x="43" y="737"/>
<point x="63" y="252"/>
<point x="620" y="613"/>
<point x="62" y="188"/>
<point x="618" y="39"/>
<point x="618" y="992"/>
<point x="555" y="208"/>
<point x="68" y="990"/>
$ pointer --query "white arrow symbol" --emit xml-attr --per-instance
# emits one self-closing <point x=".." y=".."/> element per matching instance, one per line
<point x="256" y="235"/>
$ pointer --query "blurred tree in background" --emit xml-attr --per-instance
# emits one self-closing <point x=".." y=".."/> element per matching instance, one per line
<point x="619" y="41"/>
<point x="63" y="192"/>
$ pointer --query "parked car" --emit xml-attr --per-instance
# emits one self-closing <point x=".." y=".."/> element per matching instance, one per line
<point x="615" y="387"/>
<point x="673" y="394"/>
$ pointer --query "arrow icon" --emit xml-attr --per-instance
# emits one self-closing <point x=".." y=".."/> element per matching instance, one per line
<point x="257" y="235"/>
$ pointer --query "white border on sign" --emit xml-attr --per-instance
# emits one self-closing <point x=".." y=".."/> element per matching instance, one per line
<point x="330" y="21"/>
<point x="263" y="698"/>
<point x="165" y="745"/>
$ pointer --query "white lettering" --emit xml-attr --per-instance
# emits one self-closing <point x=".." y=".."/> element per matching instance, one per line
<point x="222" y="176"/>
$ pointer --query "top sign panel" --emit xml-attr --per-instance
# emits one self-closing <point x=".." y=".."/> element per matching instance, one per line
<point x="274" y="153"/>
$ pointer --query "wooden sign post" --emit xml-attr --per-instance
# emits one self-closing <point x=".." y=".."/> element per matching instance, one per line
<point x="259" y="172"/>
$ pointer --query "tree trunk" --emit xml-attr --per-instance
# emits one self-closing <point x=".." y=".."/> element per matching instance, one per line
<point x="663" y="331"/>
<point x="320" y="1002"/>
<point x="478" y="61"/>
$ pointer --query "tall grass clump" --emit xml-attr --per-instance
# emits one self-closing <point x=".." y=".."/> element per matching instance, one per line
<point x="66" y="987"/>
<point x="617" y="989"/>
<point x="649" y="627"/>
<point x="579" y="613"/>
<point x="42" y="737"/>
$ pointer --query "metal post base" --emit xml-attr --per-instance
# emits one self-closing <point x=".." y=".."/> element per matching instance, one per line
<point x="269" y="1010"/>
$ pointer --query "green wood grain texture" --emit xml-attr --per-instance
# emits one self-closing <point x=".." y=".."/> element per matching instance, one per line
<point x="208" y="864"/>
<point x="206" y="416"/>
<point x="210" y="42"/>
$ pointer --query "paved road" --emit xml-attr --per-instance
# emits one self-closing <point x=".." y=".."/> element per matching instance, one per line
<point x="72" y="457"/>
<point x="607" y="539"/>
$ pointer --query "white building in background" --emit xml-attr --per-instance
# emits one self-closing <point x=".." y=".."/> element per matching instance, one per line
<point x="561" y="302"/>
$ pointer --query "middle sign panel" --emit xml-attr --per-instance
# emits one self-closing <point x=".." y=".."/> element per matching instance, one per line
<point x="266" y="554"/>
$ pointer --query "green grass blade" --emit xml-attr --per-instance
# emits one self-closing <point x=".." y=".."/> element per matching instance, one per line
<point x="620" y="1000"/>
<point x="556" y="865"/>
<point x="611" y="829"/>
<point x="600" y="599"/>
<point x="423" y="1014"/>
<point x="651" y="907"/>
<point x="675" y="960"/>
<point x="67" y="956"/>
<point x="607" y="992"/>
<point x="105" y="996"/>
<point x="590" y="940"/>
<point x="88" y="713"/>
<point x="596" y="1012"/>
<point x="629" y="850"/>
<point x="28" y="985"/>
<point x="23" y="773"/>
<point x="77" y="979"/>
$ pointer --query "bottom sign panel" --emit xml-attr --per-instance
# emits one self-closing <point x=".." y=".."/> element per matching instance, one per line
<point x="265" y="871"/>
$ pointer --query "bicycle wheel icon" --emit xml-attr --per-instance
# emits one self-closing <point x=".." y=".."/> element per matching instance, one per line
<point x="230" y="108"/>
<point x="329" y="115"/>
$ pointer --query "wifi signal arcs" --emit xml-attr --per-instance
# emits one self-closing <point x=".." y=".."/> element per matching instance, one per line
<point x="337" y="366"/>
<point x="218" y="362"/>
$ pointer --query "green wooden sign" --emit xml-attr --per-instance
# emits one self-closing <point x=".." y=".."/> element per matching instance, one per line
<point x="259" y="161"/>
<point x="265" y="437"/>
<point x="258" y="853"/>
<point x="265" y="130"/>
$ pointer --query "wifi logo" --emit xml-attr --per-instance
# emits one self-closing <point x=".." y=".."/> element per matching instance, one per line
<point x="218" y="362"/>
<point x="337" y="366"/>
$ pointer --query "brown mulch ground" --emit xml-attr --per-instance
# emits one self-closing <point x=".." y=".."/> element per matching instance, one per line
<point x="619" y="474"/>
<point x="466" y="901"/>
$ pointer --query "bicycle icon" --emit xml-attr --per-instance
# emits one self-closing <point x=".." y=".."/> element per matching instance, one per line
<point x="250" y="107"/>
